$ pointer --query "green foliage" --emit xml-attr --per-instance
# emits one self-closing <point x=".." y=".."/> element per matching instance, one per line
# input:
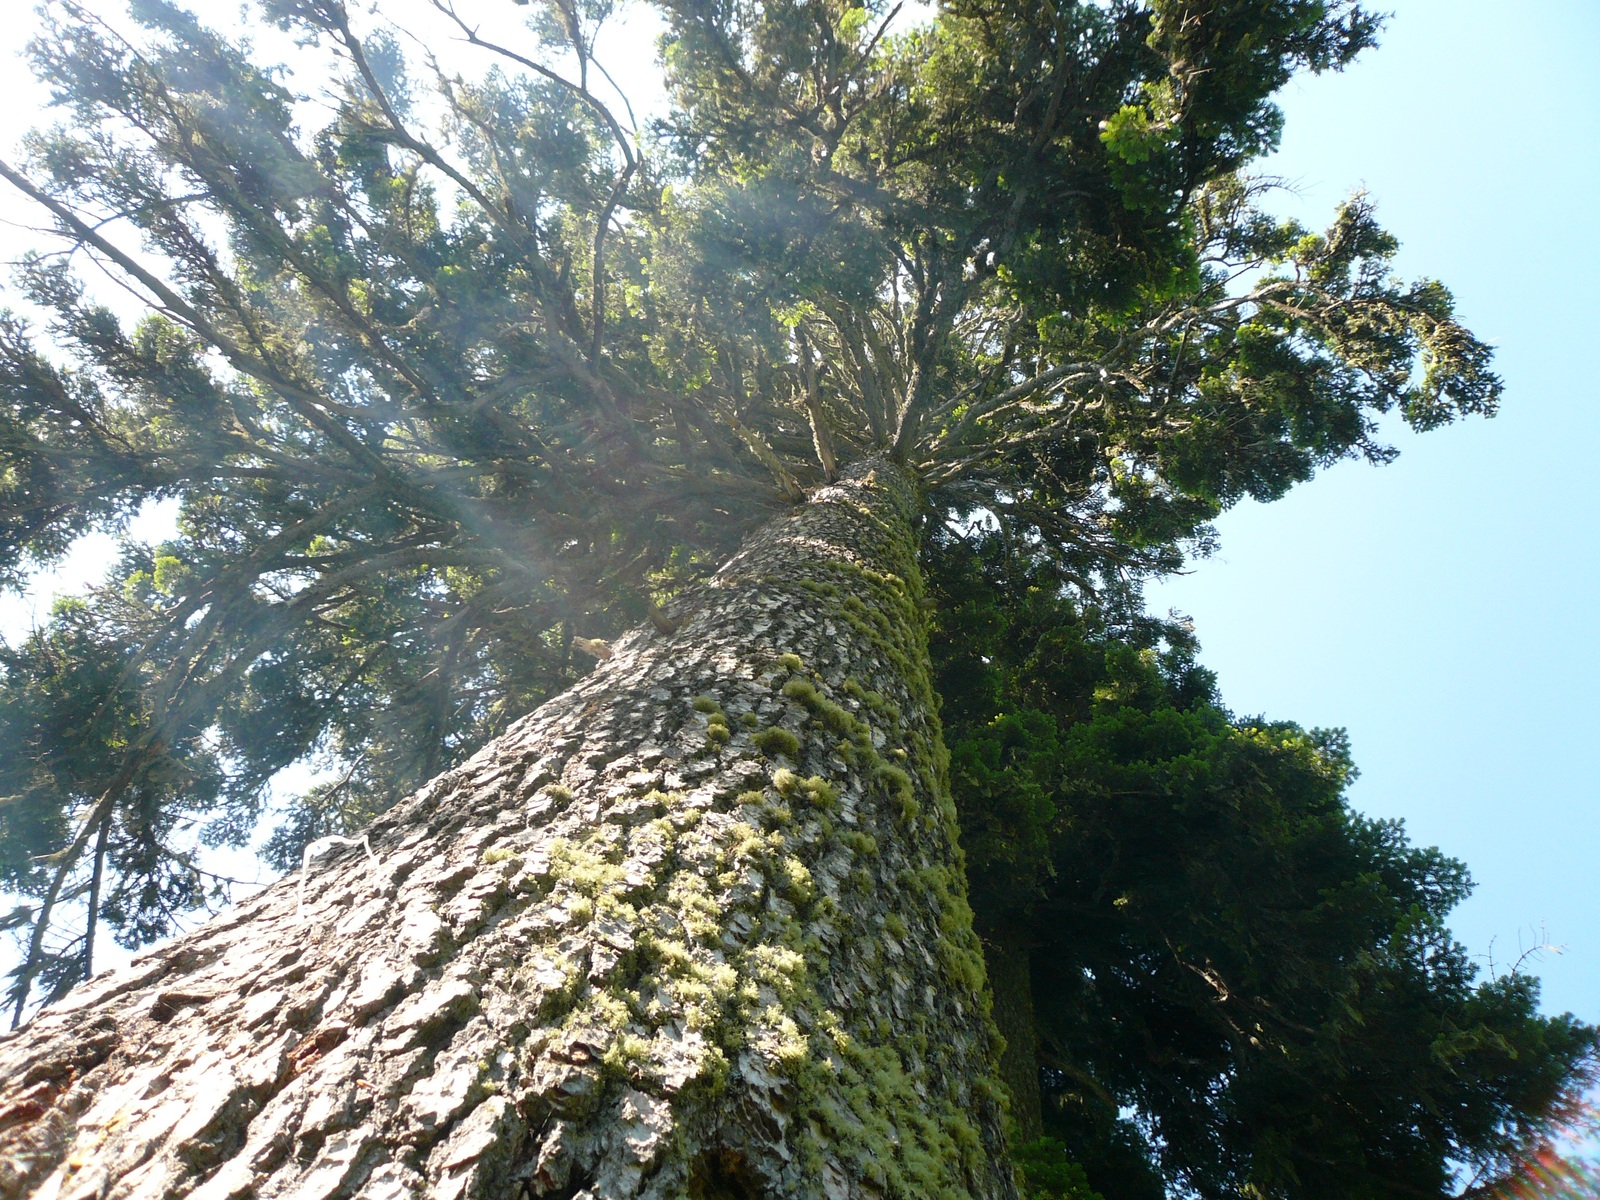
<point x="1049" y="1174"/>
<point x="1241" y="985"/>
<point x="74" y="723"/>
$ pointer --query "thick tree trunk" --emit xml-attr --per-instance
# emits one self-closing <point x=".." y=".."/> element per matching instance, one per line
<point x="695" y="928"/>
<point x="1011" y="984"/>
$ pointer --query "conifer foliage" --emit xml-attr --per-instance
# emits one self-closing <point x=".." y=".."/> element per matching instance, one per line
<point x="447" y="375"/>
<point x="1239" y="986"/>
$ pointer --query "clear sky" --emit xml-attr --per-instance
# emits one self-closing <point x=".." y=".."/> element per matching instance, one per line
<point x="1441" y="608"/>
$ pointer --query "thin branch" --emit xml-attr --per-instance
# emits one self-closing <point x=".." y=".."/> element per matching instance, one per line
<point x="821" y="436"/>
<point x="762" y="449"/>
<point x="65" y="860"/>
<point x="95" y="881"/>
<point x="304" y="401"/>
<point x="631" y="159"/>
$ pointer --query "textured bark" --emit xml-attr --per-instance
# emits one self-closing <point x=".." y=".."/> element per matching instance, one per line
<point x="696" y="927"/>
<point x="1006" y="951"/>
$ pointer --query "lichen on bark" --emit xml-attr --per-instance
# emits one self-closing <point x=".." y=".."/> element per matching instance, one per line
<point x="697" y="927"/>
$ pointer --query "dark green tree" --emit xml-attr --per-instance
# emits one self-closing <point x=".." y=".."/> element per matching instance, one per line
<point x="453" y="380"/>
<point x="1232" y="983"/>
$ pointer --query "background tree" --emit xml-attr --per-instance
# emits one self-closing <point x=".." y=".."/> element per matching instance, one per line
<point x="457" y="376"/>
<point x="1228" y="981"/>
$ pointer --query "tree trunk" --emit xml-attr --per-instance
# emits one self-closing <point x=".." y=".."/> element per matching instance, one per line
<point x="695" y="928"/>
<point x="1011" y="984"/>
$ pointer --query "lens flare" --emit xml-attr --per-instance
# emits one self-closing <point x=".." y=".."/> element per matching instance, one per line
<point x="1548" y="1175"/>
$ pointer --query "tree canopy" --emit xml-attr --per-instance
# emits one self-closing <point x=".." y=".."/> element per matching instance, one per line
<point x="447" y="374"/>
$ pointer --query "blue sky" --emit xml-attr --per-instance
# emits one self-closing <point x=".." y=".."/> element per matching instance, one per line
<point x="1443" y="608"/>
<point x="1439" y="608"/>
